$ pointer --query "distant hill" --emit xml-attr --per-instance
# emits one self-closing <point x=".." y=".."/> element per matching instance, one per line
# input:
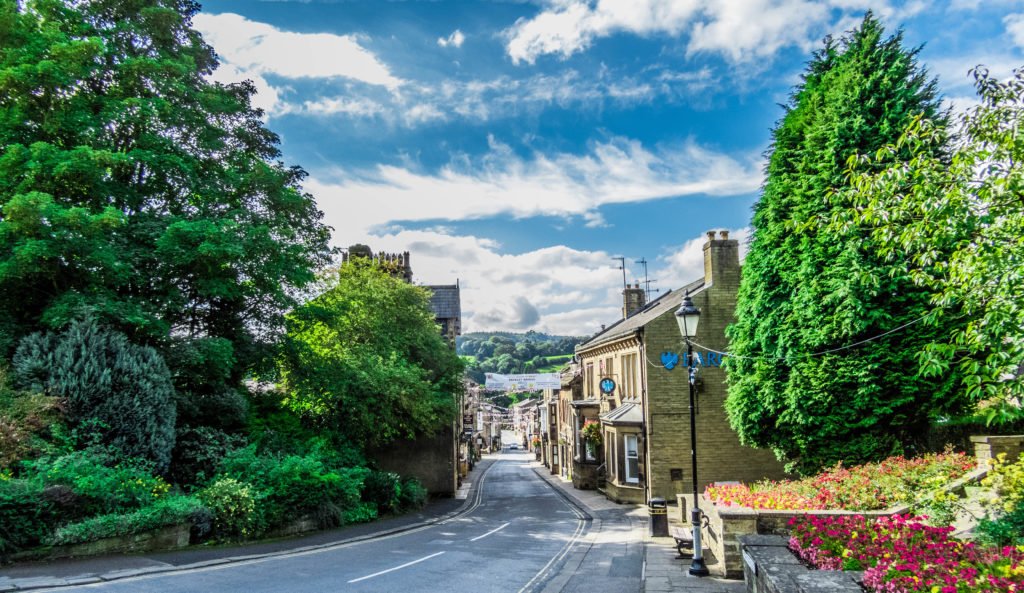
<point x="510" y="352"/>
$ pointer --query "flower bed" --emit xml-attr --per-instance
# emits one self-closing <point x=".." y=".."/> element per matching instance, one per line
<point x="901" y="554"/>
<point x="871" y="486"/>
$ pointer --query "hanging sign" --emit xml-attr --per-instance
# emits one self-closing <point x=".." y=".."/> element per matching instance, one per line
<point x="529" y="382"/>
<point x="607" y="386"/>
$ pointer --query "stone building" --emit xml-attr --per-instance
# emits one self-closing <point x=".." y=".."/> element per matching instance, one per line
<point x="636" y="373"/>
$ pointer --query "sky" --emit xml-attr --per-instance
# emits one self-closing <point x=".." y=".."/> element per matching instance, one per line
<point x="520" y="147"/>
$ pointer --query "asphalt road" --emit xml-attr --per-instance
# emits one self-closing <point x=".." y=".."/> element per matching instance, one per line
<point x="519" y="535"/>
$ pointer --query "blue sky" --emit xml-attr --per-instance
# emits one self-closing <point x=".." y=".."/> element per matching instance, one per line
<point x="520" y="146"/>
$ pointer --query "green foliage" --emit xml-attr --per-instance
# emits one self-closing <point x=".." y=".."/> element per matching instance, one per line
<point x="955" y="224"/>
<point x="364" y="512"/>
<point x="28" y="422"/>
<point x="168" y="511"/>
<point x="28" y="512"/>
<point x="1003" y="524"/>
<point x="366" y="359"/>
<point x="233" y="504"/>
<point x="808" y="291"/>
<point x="290" y="486"/>
<point x="382" y="489"/>
<point x="133" y="187"/>
<point x="412" y="496"/>
<point x="104" y="377"/>
<point x="198" y="452"/>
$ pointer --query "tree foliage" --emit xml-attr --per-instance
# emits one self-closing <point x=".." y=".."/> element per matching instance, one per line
<point x="122" y="390"/>
<point x="956" y="226"/>
<point x="133" y="187"/>
<point x="367" y="359"/>
<point x="805" y="292"/>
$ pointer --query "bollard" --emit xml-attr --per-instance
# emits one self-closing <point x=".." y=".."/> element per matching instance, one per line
<point x="659" y="517"/>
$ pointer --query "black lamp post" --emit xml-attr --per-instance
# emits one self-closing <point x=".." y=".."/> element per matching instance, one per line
<point x="687" y="316"/>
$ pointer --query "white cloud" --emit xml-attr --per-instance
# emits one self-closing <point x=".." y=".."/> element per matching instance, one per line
<point x="501" y="182"/>
<point x="455" y="39"/>
<point x="255" y="49"/>
<point x="1015" y="27"/>
<point x="740" y="30"/>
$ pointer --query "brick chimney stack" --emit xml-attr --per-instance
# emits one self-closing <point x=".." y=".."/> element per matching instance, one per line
<point x="721" y="261"/>
<point x="633" y="299"/>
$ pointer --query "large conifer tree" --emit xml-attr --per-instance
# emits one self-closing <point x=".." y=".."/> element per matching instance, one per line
<point x="806" y="292"/>
<point x="134" y="189"/>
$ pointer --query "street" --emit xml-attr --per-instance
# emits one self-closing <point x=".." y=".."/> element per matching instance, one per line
<point x="518" y="534"/>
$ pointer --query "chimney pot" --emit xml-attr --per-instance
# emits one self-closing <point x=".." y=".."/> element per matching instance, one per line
<point x="724" y="235"/>
<point x="711" y="235"/>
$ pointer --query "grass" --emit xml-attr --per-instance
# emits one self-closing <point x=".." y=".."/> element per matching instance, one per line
<point x="555" y="363"/>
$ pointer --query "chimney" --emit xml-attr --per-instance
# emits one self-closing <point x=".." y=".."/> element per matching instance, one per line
<point x="633" y="299"/>
<point x="721" y="261"/>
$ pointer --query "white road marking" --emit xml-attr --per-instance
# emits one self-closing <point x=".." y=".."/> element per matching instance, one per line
<point x="377" y="574"/>
<point x="490" y="532"/>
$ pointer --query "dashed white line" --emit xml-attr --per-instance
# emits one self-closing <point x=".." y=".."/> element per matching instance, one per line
<point x="490" y="532"/>
<point x="377" y="574"/>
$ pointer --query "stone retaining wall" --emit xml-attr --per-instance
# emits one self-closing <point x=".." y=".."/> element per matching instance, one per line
<point x="769" y="567"/>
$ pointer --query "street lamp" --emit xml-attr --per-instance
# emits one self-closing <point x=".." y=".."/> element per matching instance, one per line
<point x="687" y="317"/>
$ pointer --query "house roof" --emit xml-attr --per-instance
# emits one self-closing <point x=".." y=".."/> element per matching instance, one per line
<point x="627" y="413"/>
<point x="623" y="327"/>
<point x="445" y="302"/>
<point x="584" y="403"/>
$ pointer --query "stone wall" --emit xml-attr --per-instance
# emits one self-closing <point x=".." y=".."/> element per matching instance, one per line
<point x="987" y="447"/>
<point x="429" y="459"/>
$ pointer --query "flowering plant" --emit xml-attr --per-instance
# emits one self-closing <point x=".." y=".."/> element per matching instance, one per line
<point x="870" y="486"/>
<point x="901" y="554"/>
<point x="591" y="431"/>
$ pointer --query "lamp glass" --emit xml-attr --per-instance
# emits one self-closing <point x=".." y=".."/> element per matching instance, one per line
<point x="687" y="317"/>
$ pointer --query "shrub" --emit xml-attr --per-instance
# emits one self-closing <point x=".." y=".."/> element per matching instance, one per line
<point x="27" y="514"/>
<point x="172" y="510"/>
<point x="363" y="512"/>
<point x="198" y="453"/>
<point x="413" y="496"/>
<point x="1003" y="523"/>
<point x="27" y="422"/>
<point x="383" y="489"/>
<point x="290" y="486"/>
<point x="233" y="505"/>
<point x="105" y="377"/>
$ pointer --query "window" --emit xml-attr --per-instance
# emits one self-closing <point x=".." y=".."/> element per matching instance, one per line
<point x="629" y="382"/>
<point x="590" y="451"/>
<point x="588" y="378"/>
<point x="632" y="460"/>
<point x="576" y="436"/>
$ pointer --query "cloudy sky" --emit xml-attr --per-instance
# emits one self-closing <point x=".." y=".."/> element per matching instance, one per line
<point x="519" y="146"/>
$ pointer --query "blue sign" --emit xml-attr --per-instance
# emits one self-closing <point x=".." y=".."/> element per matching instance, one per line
<point x="707" y="359"/>
<point x="607" y="386"/>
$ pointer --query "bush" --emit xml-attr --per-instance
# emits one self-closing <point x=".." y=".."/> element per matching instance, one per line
<point x="27" y="515"/>
<point x="1003" y="523"/>
<point x="413" y="495"/>
<point x="233" y="505"/>
<point x="363" y="512"/>
<point x="98" y="481"/>
<point x="198" y="453"/>
<point x="103" y="376"/>
<point x="382" y="489"/>
<point x="291" y="486"/>
<point x="169" y="511"/>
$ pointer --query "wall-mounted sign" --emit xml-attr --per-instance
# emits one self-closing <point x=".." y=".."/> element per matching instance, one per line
<point x="670" y="359"/>
<point x="607" y="386"/>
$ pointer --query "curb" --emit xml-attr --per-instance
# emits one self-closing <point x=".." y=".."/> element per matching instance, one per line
<point x="41" y="583"/>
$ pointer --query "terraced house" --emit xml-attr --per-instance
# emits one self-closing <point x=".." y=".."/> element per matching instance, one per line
<point x="634" y="374"/>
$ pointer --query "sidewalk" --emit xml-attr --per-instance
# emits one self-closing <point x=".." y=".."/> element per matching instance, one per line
<point x="662" y="571"/>
<point x="38" y="575"/>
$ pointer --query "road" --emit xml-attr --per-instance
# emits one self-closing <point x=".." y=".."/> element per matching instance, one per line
<point x="519" y="535"/>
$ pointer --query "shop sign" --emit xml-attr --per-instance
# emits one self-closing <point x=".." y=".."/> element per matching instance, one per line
<point x="670" y="359"/>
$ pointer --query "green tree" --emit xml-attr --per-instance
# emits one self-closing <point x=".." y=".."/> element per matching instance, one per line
<point x="133" y="187"/>
<point x="367" y="359"/>
<point x="809" y="292"/>
<point x="956" y="226"/>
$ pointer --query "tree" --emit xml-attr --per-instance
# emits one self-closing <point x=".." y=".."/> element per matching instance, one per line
<point x="806" y="292"/>
<point x="956" y="226"/>
<point x="134" y="188"/>
<point x="367" y="359"/>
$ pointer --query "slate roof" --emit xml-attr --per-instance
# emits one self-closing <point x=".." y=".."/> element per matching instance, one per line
<point x="623" y="327"/>
<point x="445" y="302"/>
<point x="627" y="413"/>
